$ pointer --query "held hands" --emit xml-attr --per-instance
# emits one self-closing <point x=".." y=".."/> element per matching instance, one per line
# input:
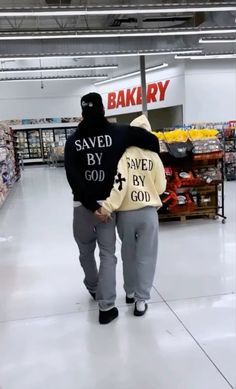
<point x="102" y="215"/>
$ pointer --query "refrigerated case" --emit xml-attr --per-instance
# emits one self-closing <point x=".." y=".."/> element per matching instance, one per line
<point x="54" y="137"/>
<point x="29" y="144"/>
<point x="70" y="131"/>
<point x="60" y="136"/>
<point x="35" y="144"/>
<point x="47" y="141"/>
<point x="22" y="143"/>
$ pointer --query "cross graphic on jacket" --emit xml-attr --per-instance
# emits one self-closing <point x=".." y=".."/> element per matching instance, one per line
<point x="119" y="180"/>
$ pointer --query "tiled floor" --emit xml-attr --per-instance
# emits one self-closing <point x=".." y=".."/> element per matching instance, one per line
<point x="49" y="335"/>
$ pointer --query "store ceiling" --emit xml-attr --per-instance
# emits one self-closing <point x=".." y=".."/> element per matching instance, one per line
<point x="109" y="32"/>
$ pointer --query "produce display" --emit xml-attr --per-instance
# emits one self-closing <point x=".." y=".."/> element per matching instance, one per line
<point x="182" y="135"/>
<point x="180" y="142"/>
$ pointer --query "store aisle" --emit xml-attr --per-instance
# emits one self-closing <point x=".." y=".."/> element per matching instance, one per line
<point x="49" y="335"/>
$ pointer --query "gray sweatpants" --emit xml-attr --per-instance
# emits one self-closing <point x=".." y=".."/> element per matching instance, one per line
<point x="138" y="231"/>
<point x="88" y="231"/>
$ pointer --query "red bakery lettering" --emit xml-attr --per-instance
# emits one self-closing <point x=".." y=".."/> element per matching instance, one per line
<point x="120" y="99"/>
<point x="151" y="92"/>
<point x="162" y="88"/>
<point x="130" y="97"/>
<point x="111" y="100"/>
<point x="139" y="96"/>
<point x="133" y="96"/>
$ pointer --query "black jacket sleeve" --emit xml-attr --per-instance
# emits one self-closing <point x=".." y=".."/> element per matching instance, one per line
<point x="76" y="180"/>
<point x="139" y="137"/>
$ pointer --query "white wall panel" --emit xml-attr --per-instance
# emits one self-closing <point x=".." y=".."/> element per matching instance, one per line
<point x="28" y="100"/>
<point x="210" y="91"/>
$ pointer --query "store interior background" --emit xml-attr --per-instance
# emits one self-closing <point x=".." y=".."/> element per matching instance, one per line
<point x="49" y="335"/>
<point x="206" y="89"/>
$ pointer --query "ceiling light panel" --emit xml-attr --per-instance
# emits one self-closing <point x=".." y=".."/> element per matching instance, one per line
<point x="13" y="79"/>
<point x="207" y="56"/>
<point x="118" y="33"/>
<point x="57" y="69"/>
<point x="127" y="75"/>
<point x="217" y="40"/>
<point x="102" y="54"/>
<point x="117" y="9"/>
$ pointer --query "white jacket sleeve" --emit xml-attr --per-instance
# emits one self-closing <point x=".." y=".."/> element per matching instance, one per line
<point x="160" y="179"/>
<point x="118" y="192"/>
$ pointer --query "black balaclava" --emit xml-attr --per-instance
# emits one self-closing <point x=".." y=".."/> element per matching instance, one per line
<point x="92" y="109"/>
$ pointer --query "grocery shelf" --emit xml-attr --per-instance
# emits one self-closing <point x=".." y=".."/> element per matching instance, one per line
<point x="195" y="177"/>
<point x="9" y="163"/>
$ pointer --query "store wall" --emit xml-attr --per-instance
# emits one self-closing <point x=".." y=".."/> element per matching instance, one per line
<point x="126" y="118"/>
<point x="205" y="89"/>
<point x="166" y="117"/>
<point x="158" y="118"/>
<point x="20" y="100"/>
<point x="210" y="91"/>
<point x="166" y="88"/>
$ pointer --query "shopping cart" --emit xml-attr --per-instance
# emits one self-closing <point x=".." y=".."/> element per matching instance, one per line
<point x="56" y="156"/>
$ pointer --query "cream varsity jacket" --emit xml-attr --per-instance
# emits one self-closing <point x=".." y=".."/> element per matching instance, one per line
<point x="140" y="178"/>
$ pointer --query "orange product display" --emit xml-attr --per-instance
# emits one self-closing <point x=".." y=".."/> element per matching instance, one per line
<point x="184" y="204"/>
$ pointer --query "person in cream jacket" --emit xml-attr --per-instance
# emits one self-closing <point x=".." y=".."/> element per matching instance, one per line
<point x="139" y="182"/>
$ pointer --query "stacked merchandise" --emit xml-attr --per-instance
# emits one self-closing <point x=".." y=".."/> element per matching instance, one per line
<point x="230" y="153"/>
<point x="193" y="160"/>
<point x="9" y="164"/>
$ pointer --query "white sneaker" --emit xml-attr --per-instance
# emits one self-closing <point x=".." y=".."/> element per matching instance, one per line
<point x="130" y="298"/>
<point x="140" y="308"/>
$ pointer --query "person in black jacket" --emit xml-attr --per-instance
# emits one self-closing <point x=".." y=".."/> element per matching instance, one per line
<point x="91" y="158"/>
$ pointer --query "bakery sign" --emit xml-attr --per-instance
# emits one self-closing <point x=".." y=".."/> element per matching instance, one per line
<point x="156" y="91"/>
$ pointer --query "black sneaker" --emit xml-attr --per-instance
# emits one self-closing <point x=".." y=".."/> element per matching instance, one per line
<point x="140" y="313"/>
<point x="129" y="300"/>
<point x="106" y="317"/>
<point x="93" y="294"/>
